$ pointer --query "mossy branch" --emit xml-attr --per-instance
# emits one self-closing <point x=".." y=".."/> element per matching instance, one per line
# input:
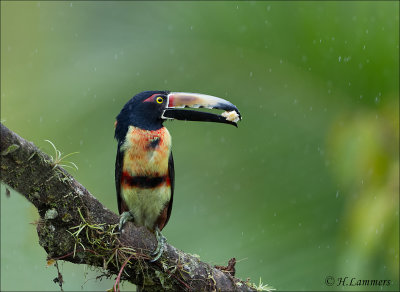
<point x="74" y="226"/>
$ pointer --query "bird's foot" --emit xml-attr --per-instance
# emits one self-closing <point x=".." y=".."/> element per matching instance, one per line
<point x="161" y="240"/>
<point x="126" y="216"/>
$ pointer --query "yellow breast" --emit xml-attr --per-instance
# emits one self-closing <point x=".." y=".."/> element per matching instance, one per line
<point x="146" y="152"/>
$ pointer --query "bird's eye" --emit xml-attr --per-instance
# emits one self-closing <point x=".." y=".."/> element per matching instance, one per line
<point x="159" y="99"/>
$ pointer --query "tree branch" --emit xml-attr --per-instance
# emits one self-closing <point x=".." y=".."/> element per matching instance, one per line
<point x="74" y="226"/>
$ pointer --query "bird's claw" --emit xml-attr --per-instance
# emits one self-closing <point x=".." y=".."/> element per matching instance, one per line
<point x="161" y="240"/>
<point x="126" y="216"/>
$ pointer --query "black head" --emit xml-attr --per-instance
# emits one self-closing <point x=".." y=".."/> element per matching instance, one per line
<point x="143" y="111"/>
<point x="149" y="109"/>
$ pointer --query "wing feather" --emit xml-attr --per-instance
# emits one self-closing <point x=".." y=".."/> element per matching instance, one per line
<point x="171" y="173"/>
<point x="118" y="173"/>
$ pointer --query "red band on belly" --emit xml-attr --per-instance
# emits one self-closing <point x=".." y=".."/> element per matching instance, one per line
<point x="144" y="182"/>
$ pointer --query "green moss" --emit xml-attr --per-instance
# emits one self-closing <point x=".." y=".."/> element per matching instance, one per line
<point x="165" y="281"/>
<point x="10" y="149"/>
<point x="67" y="217"/>
<point x="32" y="155"/>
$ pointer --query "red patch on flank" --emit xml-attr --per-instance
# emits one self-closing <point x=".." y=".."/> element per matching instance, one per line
<point x="168" y="182"/>
<point x="124" y="179"/>
<point x="115" y="124"/>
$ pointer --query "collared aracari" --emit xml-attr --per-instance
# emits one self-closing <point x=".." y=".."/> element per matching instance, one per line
<point x="144" y="167"/>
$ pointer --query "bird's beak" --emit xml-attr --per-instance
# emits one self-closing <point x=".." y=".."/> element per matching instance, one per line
<point x="177" y="100"/>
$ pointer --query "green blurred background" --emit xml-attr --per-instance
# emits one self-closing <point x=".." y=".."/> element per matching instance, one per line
<point x="305" y="188"/>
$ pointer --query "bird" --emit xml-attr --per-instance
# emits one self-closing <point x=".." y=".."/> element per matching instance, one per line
<point x="144" y="165"/>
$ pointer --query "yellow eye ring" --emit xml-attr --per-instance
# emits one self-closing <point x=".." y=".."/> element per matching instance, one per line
<point x="159" y="99"/>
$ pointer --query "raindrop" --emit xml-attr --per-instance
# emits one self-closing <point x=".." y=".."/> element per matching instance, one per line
<point x="268" y="8"/>
<point x="363" y="47"/>
<point x="299" y="224"/>
<point x="280" y="61"/>
<point x="337" y="194"/>
<point x="275" y="214"/>
<point x="366" y="31"/>
<point x="70" y="4"/>
<point x="270" y="70"/>
<point x="340" y="58"/>
<point x="251" y="74"/>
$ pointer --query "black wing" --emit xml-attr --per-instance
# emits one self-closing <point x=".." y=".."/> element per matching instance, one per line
<point x="171" y="173"/>
<point x="118" y="173"/>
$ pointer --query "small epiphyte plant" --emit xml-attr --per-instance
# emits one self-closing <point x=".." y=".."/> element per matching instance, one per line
<point x="58" y="158"/>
